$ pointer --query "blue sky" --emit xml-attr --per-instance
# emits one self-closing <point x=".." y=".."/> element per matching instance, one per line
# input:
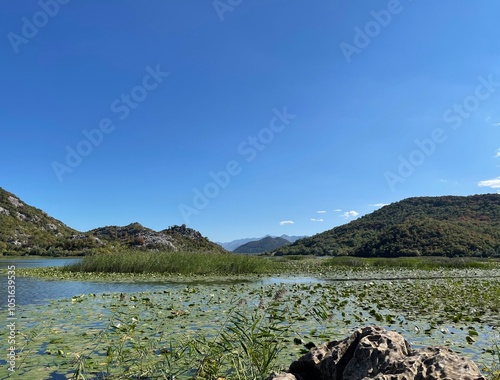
<point x="244" y="118"/>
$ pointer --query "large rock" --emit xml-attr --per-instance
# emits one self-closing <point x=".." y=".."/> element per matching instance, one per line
<point x="374" y="353"/>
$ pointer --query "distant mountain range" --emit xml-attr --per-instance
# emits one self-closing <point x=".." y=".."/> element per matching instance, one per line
<point x="420" y="226"/>
<point x="27" y="230"/>
<point x="232" y="245"/>
<point x="264" y="245"/>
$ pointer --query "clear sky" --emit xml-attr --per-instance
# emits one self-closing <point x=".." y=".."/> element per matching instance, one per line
<point x="243" y="118"/>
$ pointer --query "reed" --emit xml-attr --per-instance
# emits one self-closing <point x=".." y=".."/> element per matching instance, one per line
<point x="178" y="263"/>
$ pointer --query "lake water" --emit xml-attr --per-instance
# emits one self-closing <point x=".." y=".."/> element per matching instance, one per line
<point x="38" y="291"/>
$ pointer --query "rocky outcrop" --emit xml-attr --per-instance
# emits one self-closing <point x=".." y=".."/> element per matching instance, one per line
<point x="16" y="202"/>
<point x="378" y="354"/>
<point x="183" y="231"/>
<point x="136" y="236"/>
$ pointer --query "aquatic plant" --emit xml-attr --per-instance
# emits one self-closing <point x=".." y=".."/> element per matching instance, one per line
<point x="241" y="329"/>
<point x="421" y="263"/>
<point x="176" y="262"/>
<point x="494" y="369"/>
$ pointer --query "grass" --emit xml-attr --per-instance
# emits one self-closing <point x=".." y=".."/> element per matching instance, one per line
<point x="156" y="266"/>
<point x="494" y="371"/>
<point x="217" y="264"/>
<point x="422" y="263"/>
<point x="174" y="263"/>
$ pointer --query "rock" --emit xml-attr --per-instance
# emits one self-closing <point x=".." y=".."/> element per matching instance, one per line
<point x="183" y="231"/>
<point x="282" y="376"/>
<point x="378" y="354"/>
<point x="16" y="202"/>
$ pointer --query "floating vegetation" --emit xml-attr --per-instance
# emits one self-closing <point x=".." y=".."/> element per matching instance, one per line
<point x="243" y="325"/>
<point x="247" y="329"/>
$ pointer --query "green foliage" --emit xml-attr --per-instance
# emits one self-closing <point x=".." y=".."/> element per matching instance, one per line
<point x="493" y="370"/>
<point x="424" y="226"/>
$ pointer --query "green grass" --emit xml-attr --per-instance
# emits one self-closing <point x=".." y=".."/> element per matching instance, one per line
<point x="175" y="263"/>
<point x="422" y="263"/>
<point x="156" y="266"/>
<point x="494" y="370"/>
<point x="184" y="263"/>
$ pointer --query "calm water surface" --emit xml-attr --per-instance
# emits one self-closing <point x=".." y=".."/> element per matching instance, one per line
<point x="33" y="290"/>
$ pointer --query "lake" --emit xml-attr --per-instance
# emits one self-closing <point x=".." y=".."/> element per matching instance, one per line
<point x="61" y="320"/>
<point x="39" y="291"/>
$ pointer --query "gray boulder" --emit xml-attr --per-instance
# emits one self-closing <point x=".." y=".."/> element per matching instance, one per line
<point x="375" y="353"/>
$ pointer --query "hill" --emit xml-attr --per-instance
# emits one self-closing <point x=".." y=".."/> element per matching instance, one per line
<point x="24" y="228"/>
<point x="293" y="238"/>
<point x="264" y="245"/>
<point x="27" y="230"/>
<point x="136" y="236"/>
<point x="420" y="226"/>
<point x="232" y="245"/>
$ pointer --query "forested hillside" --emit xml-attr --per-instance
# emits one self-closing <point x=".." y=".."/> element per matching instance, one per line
<point x="421" y="226"/>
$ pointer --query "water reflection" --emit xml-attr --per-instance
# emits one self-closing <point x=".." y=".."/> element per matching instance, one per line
<point x="37" y="263"/>
<point x="38" y="291"/>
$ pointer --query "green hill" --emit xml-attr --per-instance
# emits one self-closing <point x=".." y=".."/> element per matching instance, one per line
<point x="27" y="230"/>
<point x="421" y="226"/>
<point x="263" y="245"/>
